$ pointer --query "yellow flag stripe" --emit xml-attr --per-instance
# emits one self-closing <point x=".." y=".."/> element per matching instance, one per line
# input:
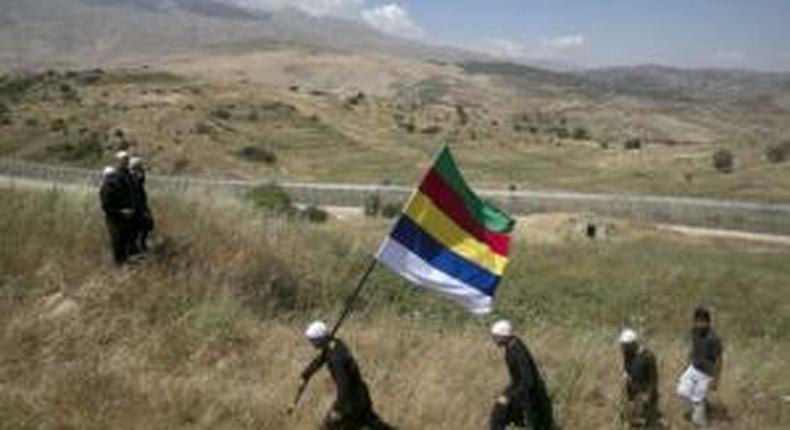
<point x="430" y="218"/>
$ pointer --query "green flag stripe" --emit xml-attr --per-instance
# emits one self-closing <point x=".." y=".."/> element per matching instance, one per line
<point x="490" y="216"/>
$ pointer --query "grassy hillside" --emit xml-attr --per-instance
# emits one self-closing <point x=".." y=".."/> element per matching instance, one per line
<point x="335" y="117"/>
<point x="207" y="334"/>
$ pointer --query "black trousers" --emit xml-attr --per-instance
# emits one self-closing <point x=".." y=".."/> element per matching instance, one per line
<point x="122" y="234"/>
<point x="143" y="226"/>
<point x="358" y="421"/>
<point x="505" y="415"/>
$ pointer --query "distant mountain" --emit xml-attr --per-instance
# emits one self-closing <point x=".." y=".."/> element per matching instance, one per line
<point x="648" y="81"/>
<point x="47" y="32"/>
<point x="693" y="84"/>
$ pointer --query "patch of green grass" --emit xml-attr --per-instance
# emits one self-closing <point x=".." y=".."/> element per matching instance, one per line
<point x="271" y="198"/>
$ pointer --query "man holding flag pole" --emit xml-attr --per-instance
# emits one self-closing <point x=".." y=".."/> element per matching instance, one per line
<point x="451" y="241"/>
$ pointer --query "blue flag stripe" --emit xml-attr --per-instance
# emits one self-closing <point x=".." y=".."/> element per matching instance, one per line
<point x="416" y="240"/>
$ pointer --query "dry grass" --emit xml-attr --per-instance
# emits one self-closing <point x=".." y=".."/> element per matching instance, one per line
<point x="208" y="334"/>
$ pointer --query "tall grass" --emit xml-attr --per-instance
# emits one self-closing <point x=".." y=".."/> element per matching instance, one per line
<point x="207" y="334"/>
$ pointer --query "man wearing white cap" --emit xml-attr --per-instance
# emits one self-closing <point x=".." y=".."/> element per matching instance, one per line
<point x="641" y="383"/>
<point x="117" y="200"/>
<point x="525" y="401"/>
<point x="352" y="409"/>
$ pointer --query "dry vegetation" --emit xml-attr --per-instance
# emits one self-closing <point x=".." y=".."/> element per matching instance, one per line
<point x="207" y="333"/>
<point x="196" y="117"/>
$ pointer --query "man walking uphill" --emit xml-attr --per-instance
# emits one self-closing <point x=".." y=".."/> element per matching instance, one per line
<point x="117" y="201"/>
<point x="704" y="367"/>
<point x="352" y="409"/>
<point x="641" y="383"/>
<point x="525" y="401"/>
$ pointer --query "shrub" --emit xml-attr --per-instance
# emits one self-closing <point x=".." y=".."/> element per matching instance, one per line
<point x="181" y="165"/>
<point x="221" y="113"/>
<point x="432" y="129"/>
<point x="315" y="214"/>
<point x="356" y="99"/>
<point x="723" y="161"/>
<point x="633" y="144"/>
<point x="32" y="122"/>
<point x="271" y="197"/>
<point x="203" y="128"/>
<point x="372" y="205"/>
<point x="561" y="132"/>
<point x="391" y="210"/>
<point x="581" y="133"/>
<point x="87" y="148"/>
<point x="258" y="154"/>
<point x="778" y="153"/>
<point x="409" y="127"/>
<point x="69" y="94"/>
<point x="463" y="117"/>
<point x="16" y="86"/>
<point x="279" y="107"/>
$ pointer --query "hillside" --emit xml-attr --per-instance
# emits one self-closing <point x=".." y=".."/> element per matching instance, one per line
<point x="204" y="88"/>
<point x="361" y="118"/>
<point x="208" y="333"/>
<point x="45" y="33"/>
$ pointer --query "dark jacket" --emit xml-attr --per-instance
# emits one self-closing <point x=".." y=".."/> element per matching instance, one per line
<point x="117" y="193"/>
<point x="142" y="212"/>
<point x="353" y="398"/>
<point x="642" y="372"/>
<point x="706" y="350"/>
<point x="527" y="388"/>
<point x="140" y="195"/>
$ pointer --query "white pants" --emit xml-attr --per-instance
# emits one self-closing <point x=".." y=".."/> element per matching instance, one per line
<point x="694" y="385"/>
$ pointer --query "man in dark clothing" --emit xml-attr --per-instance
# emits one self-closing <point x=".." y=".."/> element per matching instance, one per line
<point x="641" y="383"/>
<point x="117" y="201"/>
<point x="143" y="220"/>
<point x="704" y="366"/>
<point x="525" y="401"/>
<point x="352" y="409"/>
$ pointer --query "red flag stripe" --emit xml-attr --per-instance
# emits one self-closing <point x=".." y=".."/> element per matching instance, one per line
<point x="453" y="206"/>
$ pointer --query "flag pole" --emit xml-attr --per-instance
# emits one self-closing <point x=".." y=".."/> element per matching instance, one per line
<point x="346" y="311"/>
<point x="353" y="297"/>
<point x="350" y="300"/>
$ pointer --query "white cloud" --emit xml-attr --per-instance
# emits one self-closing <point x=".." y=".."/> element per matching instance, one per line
<point x="393" y="19"/>
<point x="562" y="43"/>
<point x="561" y="47"/>
<point x="506" y="48"/>
<point x="313" y="7"/>
<point x="390" y="18"/>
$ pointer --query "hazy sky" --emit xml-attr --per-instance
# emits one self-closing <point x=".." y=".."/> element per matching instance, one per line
<point x="721" y="33"/>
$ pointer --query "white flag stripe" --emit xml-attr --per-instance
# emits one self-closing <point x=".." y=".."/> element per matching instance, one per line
<point x="407" y="264"/>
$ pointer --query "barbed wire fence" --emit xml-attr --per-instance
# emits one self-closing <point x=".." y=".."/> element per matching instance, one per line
<point x="708" y="213"/>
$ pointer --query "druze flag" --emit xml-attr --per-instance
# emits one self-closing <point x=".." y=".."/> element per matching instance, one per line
<point x="449" y="240"/>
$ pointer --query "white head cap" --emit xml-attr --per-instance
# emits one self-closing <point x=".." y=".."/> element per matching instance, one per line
<point x="120" y="155"/>
<point x="135" y="162"/>
<point x="502" y="328"/>
<point x="628" y="336"/>
<point x="316" y="330"/>
<point x="109" y="170"/>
